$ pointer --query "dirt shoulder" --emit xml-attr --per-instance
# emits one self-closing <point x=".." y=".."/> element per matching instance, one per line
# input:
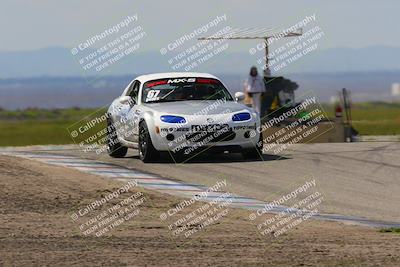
<point x="37" y="200"/>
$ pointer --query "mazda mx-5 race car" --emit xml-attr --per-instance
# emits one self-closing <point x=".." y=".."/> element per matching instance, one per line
<point x="183" y="114"/>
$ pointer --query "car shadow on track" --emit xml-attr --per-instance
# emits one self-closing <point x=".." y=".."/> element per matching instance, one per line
<point x="214" y="158"/>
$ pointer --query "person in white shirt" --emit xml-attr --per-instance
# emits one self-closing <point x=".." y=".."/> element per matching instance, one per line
<point x="254" y="86"/>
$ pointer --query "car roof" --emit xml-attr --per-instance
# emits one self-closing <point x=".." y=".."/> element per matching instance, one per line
<point x="165" y="75"/>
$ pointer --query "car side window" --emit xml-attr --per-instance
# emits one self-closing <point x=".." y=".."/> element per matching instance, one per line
<point x="134" y="91"/>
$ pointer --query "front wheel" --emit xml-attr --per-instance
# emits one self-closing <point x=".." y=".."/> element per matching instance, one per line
<point x="147" y="152"/>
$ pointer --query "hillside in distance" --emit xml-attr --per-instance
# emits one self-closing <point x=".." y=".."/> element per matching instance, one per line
<point x="59" y="62"/>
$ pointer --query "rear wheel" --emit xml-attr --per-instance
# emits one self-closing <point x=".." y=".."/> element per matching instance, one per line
<point x="114" y="147"/>
<point x="147" y="152"/>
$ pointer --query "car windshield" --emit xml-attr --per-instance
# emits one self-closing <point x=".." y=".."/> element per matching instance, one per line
<point x="179" y="89"/>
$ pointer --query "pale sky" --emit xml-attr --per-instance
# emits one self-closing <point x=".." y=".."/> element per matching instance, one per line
<point x="29" y="24"/>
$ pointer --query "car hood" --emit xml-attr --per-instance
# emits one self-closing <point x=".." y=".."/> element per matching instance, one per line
<point x="198" y="107"/>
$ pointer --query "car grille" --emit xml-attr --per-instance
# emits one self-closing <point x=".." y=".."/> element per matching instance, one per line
<point x="210" y="133"/>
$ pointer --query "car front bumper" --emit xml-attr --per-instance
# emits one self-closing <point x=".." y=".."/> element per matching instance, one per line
<point x="238" y="135"/>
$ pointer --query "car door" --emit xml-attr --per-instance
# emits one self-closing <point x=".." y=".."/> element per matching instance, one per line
<point x="119" y="112"/>
<point x="133" y="115"/>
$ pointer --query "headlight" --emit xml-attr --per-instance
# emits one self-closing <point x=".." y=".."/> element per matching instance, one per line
<point x="172" y="119"/>
<point x="243" y="116"/>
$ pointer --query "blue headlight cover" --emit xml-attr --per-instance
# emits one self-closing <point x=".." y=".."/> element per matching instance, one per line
<point x="172" y="119"/>
<point x="243" y="116"/>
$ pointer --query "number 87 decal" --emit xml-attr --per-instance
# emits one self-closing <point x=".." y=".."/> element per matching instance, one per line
<point x="152" y="95"/>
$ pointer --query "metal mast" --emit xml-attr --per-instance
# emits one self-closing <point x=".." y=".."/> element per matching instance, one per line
<point x="255" y="33"/>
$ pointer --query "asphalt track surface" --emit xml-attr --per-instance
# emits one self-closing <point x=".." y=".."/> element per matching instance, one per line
<point x="355" y="179"/>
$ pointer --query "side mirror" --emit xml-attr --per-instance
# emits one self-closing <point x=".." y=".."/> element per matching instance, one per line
<point x="239" y="96"/>
<point x="126" y="100"/>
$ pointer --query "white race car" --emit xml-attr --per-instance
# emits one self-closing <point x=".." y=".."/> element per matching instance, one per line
<point x="183" y="114"/>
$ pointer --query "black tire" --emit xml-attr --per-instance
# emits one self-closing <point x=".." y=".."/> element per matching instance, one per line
<point x="114" y="147"/>
<point x="147" y="152"/>
<point x="254" y="152"/>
